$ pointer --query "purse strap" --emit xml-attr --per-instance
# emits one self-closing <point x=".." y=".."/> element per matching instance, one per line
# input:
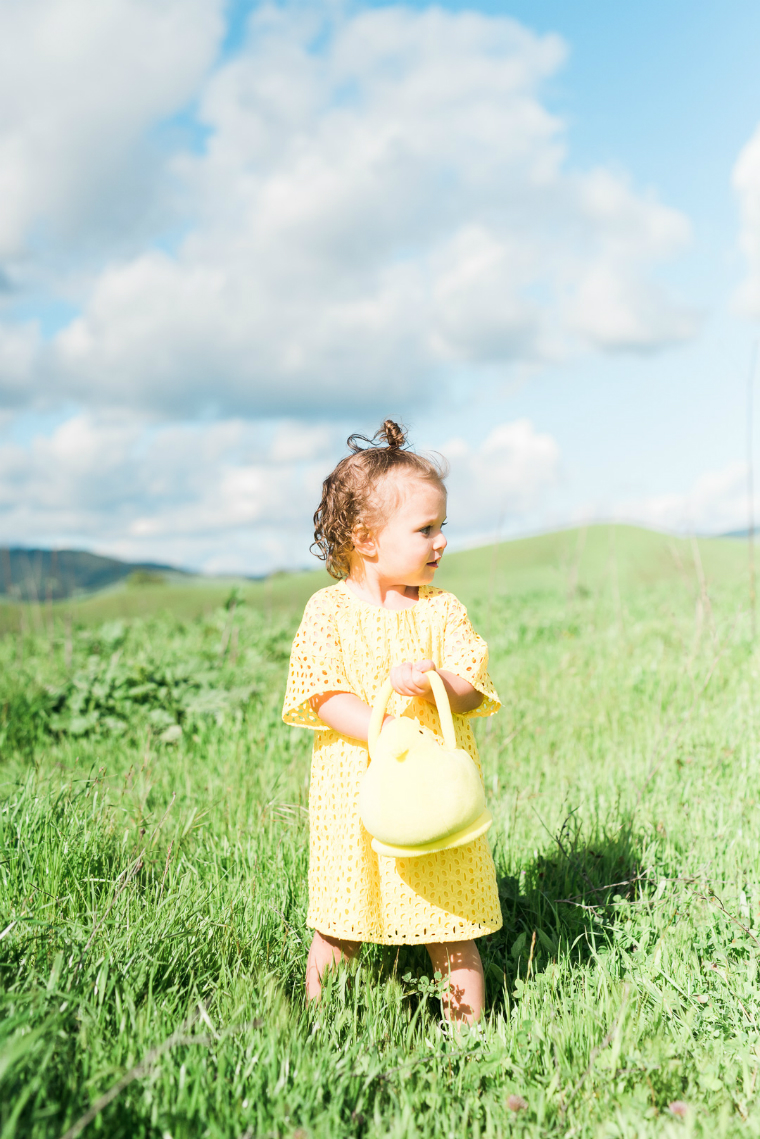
<point x="441" y="702"/>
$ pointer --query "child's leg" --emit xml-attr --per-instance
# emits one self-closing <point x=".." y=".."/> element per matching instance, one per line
<point x="459" y="961"/>
<point x="324" y="954"/>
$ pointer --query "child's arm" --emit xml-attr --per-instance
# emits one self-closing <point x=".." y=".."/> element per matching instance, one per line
<point x="409" y="679"/>
<point x="349" y="715"/>
<point x="344" y="713"/>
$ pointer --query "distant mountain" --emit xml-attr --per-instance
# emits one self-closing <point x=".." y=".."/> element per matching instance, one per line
<point x="34" y="575"/>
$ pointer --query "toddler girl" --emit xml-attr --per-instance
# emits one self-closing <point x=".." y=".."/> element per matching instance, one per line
<point x="379" y="530"/>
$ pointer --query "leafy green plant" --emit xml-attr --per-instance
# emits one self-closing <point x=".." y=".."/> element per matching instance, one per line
<point x="429" y="988"/>
<point x="108" y="696"/>
<point x="126" y="679"/>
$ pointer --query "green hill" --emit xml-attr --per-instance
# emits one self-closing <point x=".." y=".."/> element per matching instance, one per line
<point x="36" y="575"/>
<point x="568" y="562"/>
<point x="592" y="558"/>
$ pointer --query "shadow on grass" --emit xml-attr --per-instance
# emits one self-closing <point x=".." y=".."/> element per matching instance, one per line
<point x="561" y="904"/>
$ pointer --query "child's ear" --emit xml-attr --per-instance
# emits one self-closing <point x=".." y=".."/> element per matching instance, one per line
<point x="364" y="541"/>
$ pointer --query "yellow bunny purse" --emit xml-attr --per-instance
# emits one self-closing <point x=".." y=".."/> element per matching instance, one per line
<point x="419" y="797"/>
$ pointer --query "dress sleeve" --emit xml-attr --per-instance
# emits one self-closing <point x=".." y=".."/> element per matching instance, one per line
<point x="466" y="655"/>
<point x="316" y="664"/>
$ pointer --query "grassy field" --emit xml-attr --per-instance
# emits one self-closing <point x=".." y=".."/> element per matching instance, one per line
<point x="153" y="857"/>
<point x="186" y="600"/>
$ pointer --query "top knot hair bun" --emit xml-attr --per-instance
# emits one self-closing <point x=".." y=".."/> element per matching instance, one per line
<point x="394" y="436"/>
<point x="390" y="435"/>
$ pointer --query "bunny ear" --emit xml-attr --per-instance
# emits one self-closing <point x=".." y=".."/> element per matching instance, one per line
<point x="442" y="704"/>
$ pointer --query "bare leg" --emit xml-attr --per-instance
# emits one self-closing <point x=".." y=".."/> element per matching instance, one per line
<point x="460" y="962"/>
<point x="325" y="953"/>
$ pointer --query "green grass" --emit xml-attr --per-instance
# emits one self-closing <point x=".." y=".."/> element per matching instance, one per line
<point x="154" y="892"/>
<point x="185" y="599"/>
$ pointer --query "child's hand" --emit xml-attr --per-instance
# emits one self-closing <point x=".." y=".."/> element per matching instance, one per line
<point x="409" y="678"/>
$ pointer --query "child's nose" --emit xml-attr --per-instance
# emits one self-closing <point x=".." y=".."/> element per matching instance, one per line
<point x="440" y="541"/>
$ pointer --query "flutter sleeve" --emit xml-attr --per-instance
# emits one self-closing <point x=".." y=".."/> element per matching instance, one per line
<point x="466" y="655"/>
<point x="316" y="663"/>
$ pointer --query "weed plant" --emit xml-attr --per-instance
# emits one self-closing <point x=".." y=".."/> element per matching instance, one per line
<point x="153" y="861"/>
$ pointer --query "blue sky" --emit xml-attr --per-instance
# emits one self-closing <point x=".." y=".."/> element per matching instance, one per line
<point x="231" y="234"/>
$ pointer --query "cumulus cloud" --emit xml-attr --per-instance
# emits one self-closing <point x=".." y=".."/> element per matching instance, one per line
<point x="382" y="200"/>
<point x="377" y="204"/>
<point x="715" y="504"/>
<point x="80" y="84"/>
<point x="19" y="351"/>
<point x="230" y="495"/>
<point x="180" y="491"/>
<point x="499" y="481"/>
<point x="746" y="180"/>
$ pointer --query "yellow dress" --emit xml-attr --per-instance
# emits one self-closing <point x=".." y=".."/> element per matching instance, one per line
<point x="345" y="644"/>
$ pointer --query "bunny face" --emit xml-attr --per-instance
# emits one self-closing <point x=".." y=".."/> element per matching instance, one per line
<point x="403" y="734"/>
<point x="416" y="791"/>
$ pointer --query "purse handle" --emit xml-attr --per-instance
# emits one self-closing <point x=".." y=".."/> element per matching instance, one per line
<point x="441" y="702"/>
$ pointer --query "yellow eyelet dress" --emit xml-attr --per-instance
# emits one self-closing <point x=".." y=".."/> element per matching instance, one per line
<point x="344" y="644"/>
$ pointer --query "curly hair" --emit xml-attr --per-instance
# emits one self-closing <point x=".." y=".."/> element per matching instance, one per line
<point x="350" y="493"/>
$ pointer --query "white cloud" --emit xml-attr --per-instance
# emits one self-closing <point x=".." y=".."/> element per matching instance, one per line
<point x="227" y="495"/>
<point x="368" y="214"/>
<point x="746" y="180"/>
<point x="383" y="205"/>
<point x="493" y="487"/>
<point x="716" y="503"/>
<point x="80" y="84"/>
<point x="19" y="351"/>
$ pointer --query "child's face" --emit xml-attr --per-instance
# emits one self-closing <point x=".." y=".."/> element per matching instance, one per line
<point x="406" y="550"/>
